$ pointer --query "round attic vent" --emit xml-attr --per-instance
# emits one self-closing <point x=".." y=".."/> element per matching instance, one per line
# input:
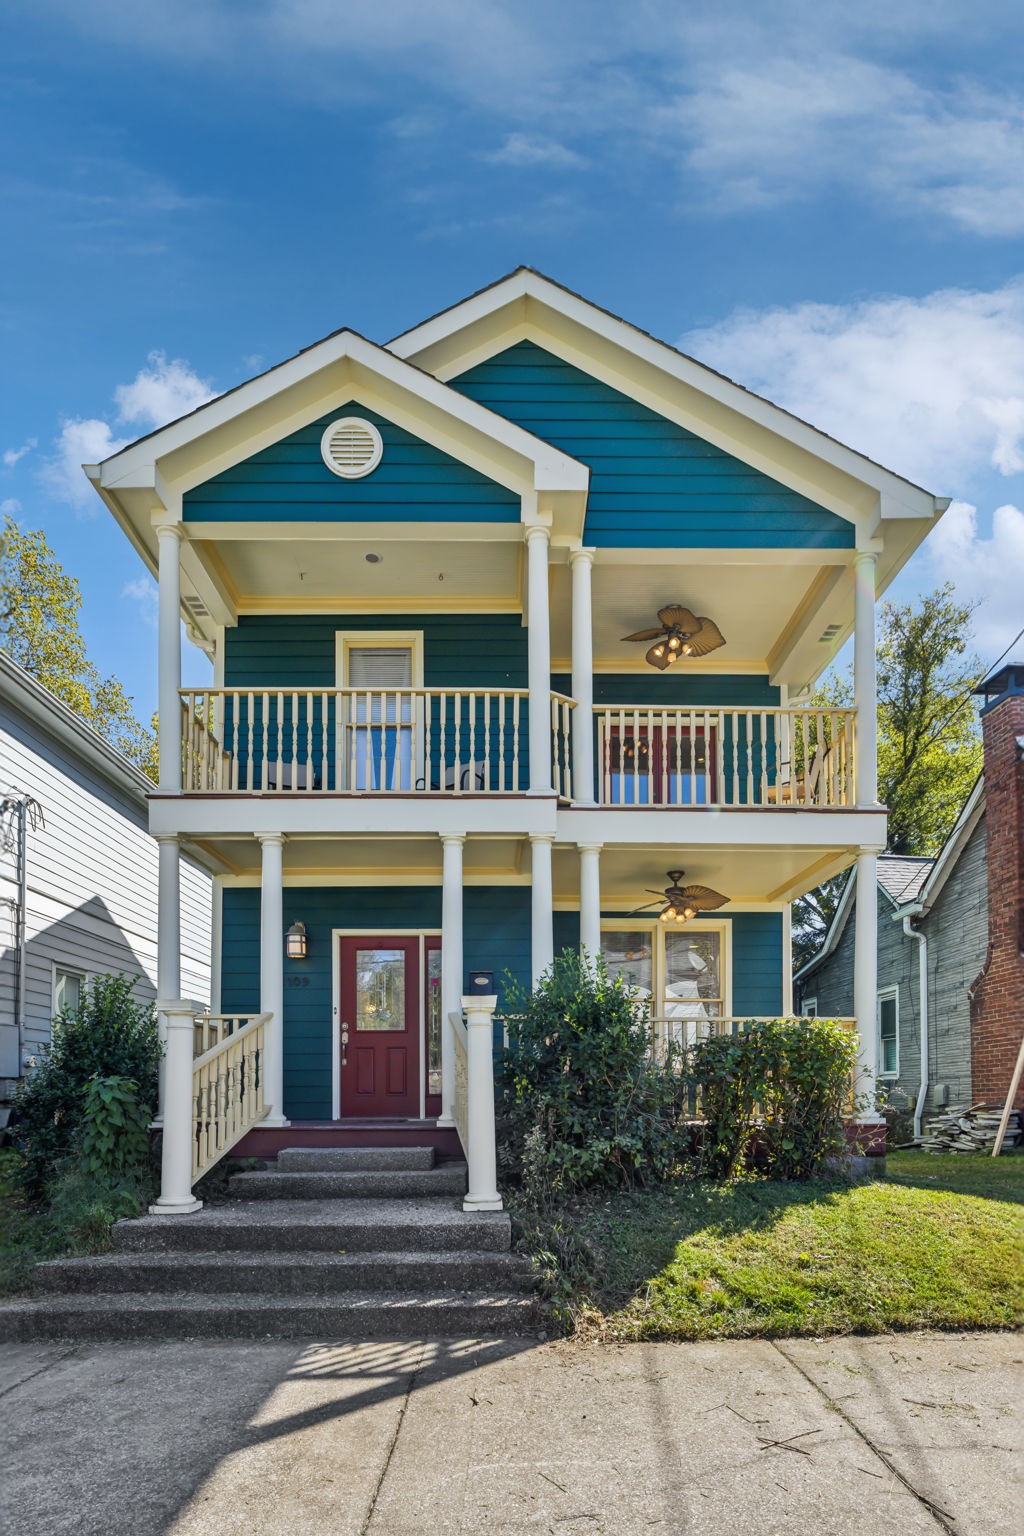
<point x="351" y="447"/>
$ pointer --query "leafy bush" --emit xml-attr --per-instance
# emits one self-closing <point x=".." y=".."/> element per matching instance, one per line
<point x="109" y="1035"/>
<point x="780" y="1085"/>
<point x="580" y="1102"/>
<point x="115" y="1129"/>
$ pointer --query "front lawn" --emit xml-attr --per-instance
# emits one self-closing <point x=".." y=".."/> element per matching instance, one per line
<point x="938" y="1244"/>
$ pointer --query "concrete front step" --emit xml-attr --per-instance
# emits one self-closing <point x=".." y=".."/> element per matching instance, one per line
<point x="437" y="1225"/>
<point x="229" y="1315"/>
<point x="355" y="1159"/>
<point x="285" y="1274"/>
<point x="449" y="1179"/>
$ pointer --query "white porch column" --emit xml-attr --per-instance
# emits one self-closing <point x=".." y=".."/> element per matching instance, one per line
<point x="272" y="973"/>
<point x="542" y="938"/>
<point x="539" y="657"/>
<point x="865" y="695"/>
<point x="582" y="562"/>
<point x="590" y="899"/>
<point x="169" y="537"/>
<point x="168" y="946"/>
<point x="865" y="978"/>
<point x="482" y="1184"/>
<point x="176" y="1196"/>
<point x="451" y="965"/>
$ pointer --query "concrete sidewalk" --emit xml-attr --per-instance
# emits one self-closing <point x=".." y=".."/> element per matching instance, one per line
<point x="908" y="1434"/>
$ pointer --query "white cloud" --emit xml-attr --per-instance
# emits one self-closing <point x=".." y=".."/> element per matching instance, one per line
<point x="525" y="149"/>
<point x="143" y="592"/>
<point x="160" y="392"/>
<point x="986" y="571"/>
<point x="10" y="506"/>
<point x="931" y="387"/>
<point x="13" y="455"/>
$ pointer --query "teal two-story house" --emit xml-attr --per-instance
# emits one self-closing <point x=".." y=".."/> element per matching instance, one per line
<point x="512" y="622"/>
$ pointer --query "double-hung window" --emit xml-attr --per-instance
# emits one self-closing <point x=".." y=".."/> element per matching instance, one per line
<point x="67" y="990"/>
<point x="889" y="1032"/>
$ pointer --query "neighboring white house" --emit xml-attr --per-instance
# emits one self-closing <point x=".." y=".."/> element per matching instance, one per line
<point x="90" y="871"/>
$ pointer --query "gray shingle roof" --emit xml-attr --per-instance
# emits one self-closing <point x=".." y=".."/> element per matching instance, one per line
<point x="902" y="877"/>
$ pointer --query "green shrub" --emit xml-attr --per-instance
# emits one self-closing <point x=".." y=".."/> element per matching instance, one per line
<point x="109" y="1035"/>
<point x="580" y="1103"/>
<point x="782" y="1086"/>
<point x="115" y="1128"/>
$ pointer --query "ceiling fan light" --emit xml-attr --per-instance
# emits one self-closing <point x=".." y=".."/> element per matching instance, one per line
<point x="688" y="913"/>
<point x="658" y="657"/>
<point x="687" y="649"/>
<point x="669" y="913"/>
<point x="674" y="642"/>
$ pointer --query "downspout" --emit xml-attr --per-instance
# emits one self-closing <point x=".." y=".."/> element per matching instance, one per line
<point x="922" y="987"/>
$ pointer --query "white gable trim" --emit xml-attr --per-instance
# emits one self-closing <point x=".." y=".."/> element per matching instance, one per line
<point x="952" y="848"/>
<point x="499" y="316"/>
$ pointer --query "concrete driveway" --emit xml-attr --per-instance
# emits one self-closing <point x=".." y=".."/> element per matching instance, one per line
<point x="900" y="1434"/>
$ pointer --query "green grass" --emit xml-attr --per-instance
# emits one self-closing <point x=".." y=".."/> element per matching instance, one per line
<point x="937" y="1244"/>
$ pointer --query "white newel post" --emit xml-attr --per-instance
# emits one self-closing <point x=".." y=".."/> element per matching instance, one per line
<point x="168" y="946"/>
<point x="482" y="1193"/>
<point x="538" y="640"/>
<point x="169" y="656"/>
<point x="865" y="979"/>
<point x="542" y="938"/>
<point x="582" y="562"/>
<point x="272" y="974"/>
<point x="176" y="1196"/>
<point x="590" y="899"/>
<point x="865" y="693"/>
<point x="451" y="965"/>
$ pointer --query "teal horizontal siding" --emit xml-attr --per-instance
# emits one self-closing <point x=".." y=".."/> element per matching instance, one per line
<point x="653" y="483"/>
<point x="668" y="689"/>
<point x="289" y="482"/>
<point x="496" y="925"/>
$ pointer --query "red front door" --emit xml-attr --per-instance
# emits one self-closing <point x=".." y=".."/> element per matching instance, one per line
<point x="380" y="1026"/>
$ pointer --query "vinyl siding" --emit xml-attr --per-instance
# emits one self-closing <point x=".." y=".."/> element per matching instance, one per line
<point x="289" y="482"/>
<point x="92" y="885"/>
<point x="653" y="483"/>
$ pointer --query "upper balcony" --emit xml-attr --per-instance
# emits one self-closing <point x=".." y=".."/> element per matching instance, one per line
<point x="473" y="742"/>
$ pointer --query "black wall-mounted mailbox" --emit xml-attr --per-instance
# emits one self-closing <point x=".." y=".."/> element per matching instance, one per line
<point x="481" y="984"/>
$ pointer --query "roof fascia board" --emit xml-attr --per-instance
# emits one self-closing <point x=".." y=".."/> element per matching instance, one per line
<point x="543" y="467"/>
<point x="835" y="931"/>
<point x="892" y="490"/>
<point x="971" y="813"/>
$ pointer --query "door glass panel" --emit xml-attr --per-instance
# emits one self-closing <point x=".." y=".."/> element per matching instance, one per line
<point x="433" y="1021"/>
<point x="382" y="717"/>
<point x="693" y="975"/>
<point x="627" y="953"/>
<point x="380" y="989"/>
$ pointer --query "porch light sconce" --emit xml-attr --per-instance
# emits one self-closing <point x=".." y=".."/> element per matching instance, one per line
<point x="295" y="942"/>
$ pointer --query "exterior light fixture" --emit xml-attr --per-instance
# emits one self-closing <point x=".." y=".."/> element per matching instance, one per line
<point x="295" y="942"/>
<point x="679" y="633"/>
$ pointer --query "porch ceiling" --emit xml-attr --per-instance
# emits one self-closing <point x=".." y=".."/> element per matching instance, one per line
<point x="748" y="876"/>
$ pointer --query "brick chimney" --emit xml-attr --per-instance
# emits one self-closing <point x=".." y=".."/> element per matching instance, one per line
<point x="997" y="1009"/>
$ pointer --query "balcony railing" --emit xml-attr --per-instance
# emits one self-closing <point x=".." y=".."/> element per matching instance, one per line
<point x="455" y="741"/>
<point x="725" y="757"/>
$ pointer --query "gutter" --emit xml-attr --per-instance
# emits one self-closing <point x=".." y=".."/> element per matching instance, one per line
<point x="908" y="914"/>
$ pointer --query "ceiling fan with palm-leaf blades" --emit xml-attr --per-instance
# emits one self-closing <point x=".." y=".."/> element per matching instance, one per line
<point x="679" y="633"/>
<point x="679" y="903"/>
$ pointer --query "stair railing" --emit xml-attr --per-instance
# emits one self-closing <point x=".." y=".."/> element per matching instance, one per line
<point x="227" y="1091"/>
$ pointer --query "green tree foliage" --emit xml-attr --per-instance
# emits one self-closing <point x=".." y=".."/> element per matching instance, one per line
<point x="929" y="748"/>
<point x="40" y="606"/>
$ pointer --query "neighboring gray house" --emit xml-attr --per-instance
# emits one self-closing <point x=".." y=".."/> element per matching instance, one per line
<point x="944" y="904"/>
<point x="90" y="871"/>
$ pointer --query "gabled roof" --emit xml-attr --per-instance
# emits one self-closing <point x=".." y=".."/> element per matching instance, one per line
<point x="901" y="876"/>
<point x="497" y="315"/>
<point x="953" y="847"/>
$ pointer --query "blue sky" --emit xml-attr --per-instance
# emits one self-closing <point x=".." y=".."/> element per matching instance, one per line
<point x="826" y="202"/>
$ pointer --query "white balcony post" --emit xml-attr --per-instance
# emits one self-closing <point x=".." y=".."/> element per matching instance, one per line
<point x="542" y="938"/>
<point x="176" y="1196"/>
<point x="590" y="899"/>
<point x="451" y="965"/>
<point x="539" y="658"/>
<point x="482" y="1192"/>
<point x="168" y="945"/>
<point x="582" y="562"/>
<point x="169" y="537"/>
<point x="272" y="973"/>
<point x="865" y="690"/>
<point x="865" y="979"/>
